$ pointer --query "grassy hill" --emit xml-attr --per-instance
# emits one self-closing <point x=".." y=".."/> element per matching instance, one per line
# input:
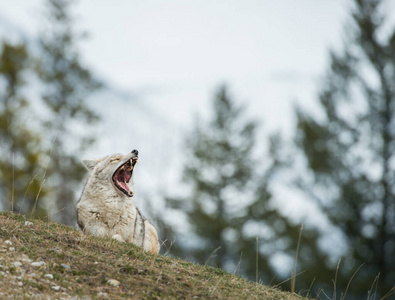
<point x="47" y="260"/>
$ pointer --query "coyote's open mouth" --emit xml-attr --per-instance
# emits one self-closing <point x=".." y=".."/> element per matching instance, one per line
<point x="123" y="175"/>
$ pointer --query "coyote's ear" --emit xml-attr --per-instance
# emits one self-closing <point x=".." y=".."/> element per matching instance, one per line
<point x="90" y="164"/>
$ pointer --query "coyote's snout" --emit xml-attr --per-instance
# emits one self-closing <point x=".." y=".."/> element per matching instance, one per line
<point x="106" y="206"/>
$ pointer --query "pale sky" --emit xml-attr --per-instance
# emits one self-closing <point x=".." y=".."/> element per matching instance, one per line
<point x="164" y="59"/>
<point x="173" y="54"/>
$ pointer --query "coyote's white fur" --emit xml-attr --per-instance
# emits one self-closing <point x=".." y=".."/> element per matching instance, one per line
<point x="106" y="206"/>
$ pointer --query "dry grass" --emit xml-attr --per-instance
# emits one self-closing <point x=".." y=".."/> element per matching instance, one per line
<point x="94" y="261"/>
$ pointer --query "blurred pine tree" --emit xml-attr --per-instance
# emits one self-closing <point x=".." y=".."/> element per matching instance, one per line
<point x="230" y="203"/>
<point x="350" y="150"/>
<point x="21" y="152"/>
<point x="67" y="85"/>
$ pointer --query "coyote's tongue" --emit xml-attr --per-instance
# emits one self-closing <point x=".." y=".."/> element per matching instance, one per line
<point x="122" y="177"/>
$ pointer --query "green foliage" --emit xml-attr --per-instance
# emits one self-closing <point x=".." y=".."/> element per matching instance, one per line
<point x="67" y="85"/>
<point x="351" y="150"/>
<point x="20" y="150"/>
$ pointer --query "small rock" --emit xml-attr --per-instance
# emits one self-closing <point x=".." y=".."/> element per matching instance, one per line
<point x="32" y="274"/>
<point x="20" y="283"/>
<point x="55" y="287"/>
<point x="38" y="263"/>
<point x="56" y="250"/>
<point x="26" y="259"/>
<point x="8" y="243"/>
<point x="19" y="278"/>
<point x="11" y="249"/>
<point x="101" y="294"/>
<point x="17" y="264"/>
<point x="27" y="223"/>
<point x="50" y="276"/>
<point x="67" y="297"/>
<point x="64" y="266"/>
<point x="118" y="238"/>
<point x="113" y="282"/>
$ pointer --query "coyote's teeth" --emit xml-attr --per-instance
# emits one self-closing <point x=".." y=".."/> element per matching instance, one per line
<point x="131" y="164"/>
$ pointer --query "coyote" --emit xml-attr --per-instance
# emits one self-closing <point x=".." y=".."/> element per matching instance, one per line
<point x="106" y="206"/>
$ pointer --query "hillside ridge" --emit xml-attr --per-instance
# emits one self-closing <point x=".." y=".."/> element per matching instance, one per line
<point x="46" y="260"/>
